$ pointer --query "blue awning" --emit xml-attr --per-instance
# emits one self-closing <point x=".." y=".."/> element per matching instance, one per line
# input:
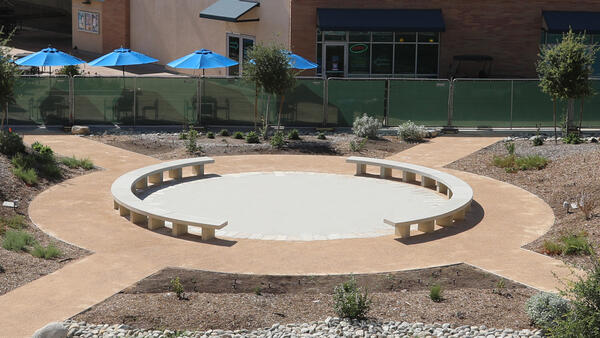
<point x="381" y="20"/>
<point x="229" y="10"/>
<point x="560" y="22"/>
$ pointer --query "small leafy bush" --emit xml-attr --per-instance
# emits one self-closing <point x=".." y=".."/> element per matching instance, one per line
<point x="28" y="176"/>
<point x="572" y="139"/>
<point x="576" y="244"/>
<point x="224" y="132"/>
<point x="277" y="140"/>
<point x="293" y="135"/>
<point x="16" y="222"/>
<point x="545" y="309"/>
<point x="191" y="146"/>
<point x="553" y="248"/>
<point x="510" y="147"/>
<point x="177" y="287"/>
<point x="73" y="162"/>
<point x="435" y="293"/>
<point x="321" y="136"/>
<point x="357" y="146"/>
<point x="47" y="252"/>
<point x="210" y="134"/>
<point x="238" y="135"/>
<point x="350" y="301"/>
<point x="410" y="132"/>
<point x="42" y="149"/>
<point x="512" y="163"/>
<point x="366" y="126"/>
<point x="69" y="70"/>
<point x="257" y="290"/>
<point x="538" y="141"/>
<point x="252" y="137"/>
<point x="11" y="143"/>
<point x="17" y="240"/>
<point x="183" y="135"/>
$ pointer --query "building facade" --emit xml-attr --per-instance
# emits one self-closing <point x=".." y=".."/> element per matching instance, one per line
<point x="348" y="38"/>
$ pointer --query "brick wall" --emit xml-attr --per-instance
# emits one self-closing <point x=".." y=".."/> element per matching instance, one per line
<point x="115" y="24"/>
<point x="507" y="30"/>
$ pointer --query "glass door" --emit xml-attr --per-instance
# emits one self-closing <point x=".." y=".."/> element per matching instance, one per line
<point x="335" y="60"/>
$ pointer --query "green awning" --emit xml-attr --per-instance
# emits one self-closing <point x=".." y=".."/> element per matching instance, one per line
<point x="229" y="10"/>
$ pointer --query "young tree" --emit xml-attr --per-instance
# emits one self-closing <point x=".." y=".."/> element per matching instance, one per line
<point x="269" y="69"/>
<point x="564" y="70"/>
<point x="9" y="73"/>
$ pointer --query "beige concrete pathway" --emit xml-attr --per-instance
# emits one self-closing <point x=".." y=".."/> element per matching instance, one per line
<point x="79" y="211"/>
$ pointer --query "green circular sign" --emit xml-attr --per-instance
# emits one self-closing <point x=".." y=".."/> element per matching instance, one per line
<point x="359" y="48"/>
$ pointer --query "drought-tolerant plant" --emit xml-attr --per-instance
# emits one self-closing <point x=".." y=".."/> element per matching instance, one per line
<point x="42" y="149"/>
<point x="210" y="134"/>
<point x="70" y="70"/>
<point x="73" y="162"/>
<point x="293" y="135"/>
<point x="537" y="141"/>
<point x="177" y="287"/>
<point x="553" y="247"/>
<point x="48" y="252"/>
<point x="238" y="135"/>
<point x="576" y="244"/>
<point x="11" y="143"/>
<point x="277" y="140"/>
<point x="224" y="132"/>
<point x="27" y="175"/>
<point x="183" y="135"/>
<point x="321" y="136"/>
<point x="366" y="126"/>
<point x="587" y="201"/>
<point x="572" y="138"/>
<point x="17" y="240"/>
<point x="192" y="135"/>
<point x="257" y="290"/>
<point x="512" y="163"/>
<point x="410" y="132"/>
<point x="545" y="309"/>
<point x="500" y="288"/>
<point x="510" y="147"/>
<point x="252" y="137"/>
<point x="583" y="318"/>
<point x="435" y="293"/>
<point x="357" y="147"/>
<point x="350" y="301"/>
<point x="16" y="222"/>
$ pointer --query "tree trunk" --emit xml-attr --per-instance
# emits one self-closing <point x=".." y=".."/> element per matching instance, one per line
<point x="581" y="114"/>
<point x="4" y="117"/>
<point x="570" y="115"/>
<point x="266" y="122"/>
<point x="554" y="116"/>
<point x="279" y="114"/>
<point x="255" y="107"/>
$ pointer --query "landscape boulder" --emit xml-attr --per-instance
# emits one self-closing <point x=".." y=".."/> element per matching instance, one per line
<point x="52" y="330"/>
<point x="80" y="130"/>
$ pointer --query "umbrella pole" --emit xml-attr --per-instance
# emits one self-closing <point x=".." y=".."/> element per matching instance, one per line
<point x="198" y="102"/>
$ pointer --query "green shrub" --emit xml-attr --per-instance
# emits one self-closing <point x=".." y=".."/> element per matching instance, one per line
<point x="553" y="248"/>
<point x="366" y="126"/>
<point x="42" y="149"/>
<point x="69" y="70"/>
<point x="538" y="141"/>
<point x="357" y="146"/>
<point x="224" y="132"/>
<point x="350" y="301"/>
<point x="576" y="244"/>
<point x="583" y="318"/>
<point x="191" y="146"/>
<point x="510" y="147"/>
<point x="28" y="176"/>
<point x="277" y="140"/>
<point x="293" y="135"/>
<point x="410" y="132"/>
<point x="17" y="240"/>
<point x="47" y="252"/>
<point x="16" y="222"/>
<point x="321" y="136"/>
<point x="257" y="290"/>
<point x="545" y="309"/>
<point x="435" y="293"/>
<point x="572" y="139"/>
<point x="183" y="135"/>
<point x="73" y="162"/>
<point x="210" y="134"/>
<point x="531" y="162"/>
<point x="238" y="135"/>
<point x="252" y="137"/>
<point x="11" y="143"/>
<point x="177" y="287"/>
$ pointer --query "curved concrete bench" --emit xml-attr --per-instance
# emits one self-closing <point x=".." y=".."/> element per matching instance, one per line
<point x="459" y="193"/>
<point x="124" y="191"/>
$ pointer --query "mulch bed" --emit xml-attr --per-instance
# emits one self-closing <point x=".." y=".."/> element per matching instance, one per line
<point x="233" y="301"/>
<point x="21" y="267"/>
<point x="168" y="146"/>
<point x="572" y="170"/>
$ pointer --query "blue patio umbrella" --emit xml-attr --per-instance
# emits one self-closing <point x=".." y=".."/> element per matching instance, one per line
<point x="202" y="59"/>
<point x="122" y="57"/>
<point x="296" y="61"/>
<point x="49" y="57"/>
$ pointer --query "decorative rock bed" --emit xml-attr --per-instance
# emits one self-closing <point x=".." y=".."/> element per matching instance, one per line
<point x="330" y="327"/>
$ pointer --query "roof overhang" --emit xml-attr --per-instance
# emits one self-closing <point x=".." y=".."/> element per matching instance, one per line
<point x="230" y="10"/>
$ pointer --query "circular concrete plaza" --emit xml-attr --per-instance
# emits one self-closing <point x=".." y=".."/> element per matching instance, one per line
<point x="299" y="206"/>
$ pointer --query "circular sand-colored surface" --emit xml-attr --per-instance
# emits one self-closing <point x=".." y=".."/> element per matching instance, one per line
<point x="295" y="205"/>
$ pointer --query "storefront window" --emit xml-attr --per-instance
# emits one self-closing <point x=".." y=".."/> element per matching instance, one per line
<point x="319" y="35"/>
<point x="381" y="59"/>
<point x="428" y="37"/>
<point x="319" y="57"/>
<point x="359" y="58"/>
<point x="405" y="58"/>
<point x="359" y="36"/>
<point x="427" y="59"/>
<point x="383" y="37"/>
<point x="406" y="37"/>
<point x="334" y="36"/>
<point x="237" y="49"/>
